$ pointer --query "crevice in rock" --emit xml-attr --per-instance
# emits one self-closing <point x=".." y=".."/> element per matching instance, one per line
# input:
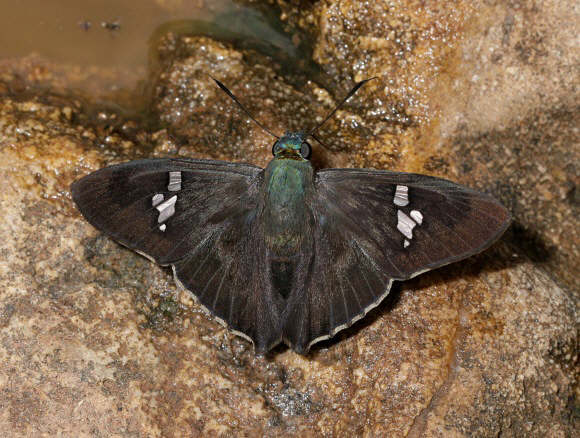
<point x="419" y="424"/>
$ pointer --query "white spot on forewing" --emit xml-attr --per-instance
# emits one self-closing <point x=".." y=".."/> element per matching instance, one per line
<point x="162" y="227"/>
<point x="167" y="209"/>
<point x="157" y="199"/>
<point x="417" y="216"/>
<point x="405" y="224"/>
<point x="174" y="182"/>
<point x="401" y="196"/>
<point x="406" y="243"/>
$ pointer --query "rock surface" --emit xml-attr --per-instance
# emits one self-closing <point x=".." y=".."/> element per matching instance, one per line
<point x="98" y="341"/>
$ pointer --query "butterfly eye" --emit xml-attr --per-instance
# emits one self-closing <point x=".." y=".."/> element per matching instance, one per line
<point x="275" y="148"/>
<point x="306" y="150"/>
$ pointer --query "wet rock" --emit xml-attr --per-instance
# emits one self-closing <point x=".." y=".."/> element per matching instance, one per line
<point x="97" y="340"/>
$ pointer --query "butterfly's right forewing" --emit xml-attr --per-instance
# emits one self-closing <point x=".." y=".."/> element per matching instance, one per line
<point x="373" y="227"/>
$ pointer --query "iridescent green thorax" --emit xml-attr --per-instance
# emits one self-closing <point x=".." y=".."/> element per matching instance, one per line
<point x="288" y="188"/>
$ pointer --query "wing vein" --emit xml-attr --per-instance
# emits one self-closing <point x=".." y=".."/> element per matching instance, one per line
<point x="217" y="293"/>
<point x="354" y="292"/>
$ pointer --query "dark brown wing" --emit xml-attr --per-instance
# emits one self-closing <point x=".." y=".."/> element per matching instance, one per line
<point x="373" y="227"/>
<point x="201" y="217"/>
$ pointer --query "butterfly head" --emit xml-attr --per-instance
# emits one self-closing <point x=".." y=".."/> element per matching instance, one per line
<point x="292" y="146"/>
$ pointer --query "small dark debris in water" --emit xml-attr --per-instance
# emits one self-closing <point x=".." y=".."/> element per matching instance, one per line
<point x="112" y="26"/>
<point x="85" y="25"/>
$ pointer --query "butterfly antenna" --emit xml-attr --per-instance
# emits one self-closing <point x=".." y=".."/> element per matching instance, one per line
<point x="316" y="138"/>
<point x="348" y="96"/>
<point x="235" y="99"/>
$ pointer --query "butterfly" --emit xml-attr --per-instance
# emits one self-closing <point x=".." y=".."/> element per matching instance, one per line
<point x="287" y="253"/>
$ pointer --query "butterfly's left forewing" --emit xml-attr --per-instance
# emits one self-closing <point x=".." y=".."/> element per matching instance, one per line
<point x="373" y="227"/>
<point x="164" y="207"/>
<point x="200" y="216"/>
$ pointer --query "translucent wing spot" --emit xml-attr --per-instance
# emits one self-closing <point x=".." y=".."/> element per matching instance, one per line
<point x="401" y="196"/>
<point x="417" y="216"/>
<point x="162" y="227"/>
<point x="166" y="209"/>
<point x="405" y="224"/>
<point x="174" y="182"/>
<point x="157" y="199"/>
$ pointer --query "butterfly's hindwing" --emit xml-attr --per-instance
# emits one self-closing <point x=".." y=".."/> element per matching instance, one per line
<point x="229" y="274"/>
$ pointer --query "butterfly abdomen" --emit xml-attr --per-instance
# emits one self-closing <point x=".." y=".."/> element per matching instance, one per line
<point x="283" y="276"/>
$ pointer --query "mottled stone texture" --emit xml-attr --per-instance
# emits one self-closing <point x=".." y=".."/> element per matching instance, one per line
<point x="97" y="341"/>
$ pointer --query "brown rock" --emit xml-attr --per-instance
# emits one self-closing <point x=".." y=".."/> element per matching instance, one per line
<point x="96" y="340"/>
